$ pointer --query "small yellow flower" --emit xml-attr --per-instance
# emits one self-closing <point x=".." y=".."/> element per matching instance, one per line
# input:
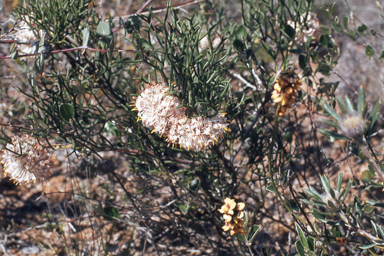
<point x="227" y="218"/>
<point x="228" y="207"/>
<point x="240" y="206"/>
<point x="227" y="226"/>
<point x="240" y="230"/>
<point x="285" y="91"/>
<point x="233" y="216"/>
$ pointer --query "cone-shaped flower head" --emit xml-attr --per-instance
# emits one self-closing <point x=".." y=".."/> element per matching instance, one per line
<point x="30" y="163"/>
<point x="164" y="115"/>
<point x="353" y="126"/>
<point x="353" y="123"/>
<point x="25" y="37"/>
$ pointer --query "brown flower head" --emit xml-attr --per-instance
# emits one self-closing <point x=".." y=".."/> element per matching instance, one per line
<point x="233" y="216"/>
<point x="285" y="91"/>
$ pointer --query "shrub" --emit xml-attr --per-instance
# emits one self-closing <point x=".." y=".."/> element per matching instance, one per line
<point x="213" y="119"/>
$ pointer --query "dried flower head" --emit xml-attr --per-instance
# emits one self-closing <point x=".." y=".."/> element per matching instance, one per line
<point x="233" y="216"/>
<point x="341" y="240"/>
<point x="25" y="37"/>
<point x="353" y="126"/>
<point x="164" y="115"/>
<point x="306" y="28"/>
<point x="285" y="91"/>
<point x="354" y="123"/>
<point x="30" y="162"/>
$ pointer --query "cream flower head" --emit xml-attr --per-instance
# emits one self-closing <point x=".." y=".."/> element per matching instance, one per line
<point x="307" y="28"/>
<point x="30" y="163"/>
<point x="165" y="115"/>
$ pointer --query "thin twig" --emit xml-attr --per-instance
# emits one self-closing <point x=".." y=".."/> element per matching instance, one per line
<point x="238" y="76"/>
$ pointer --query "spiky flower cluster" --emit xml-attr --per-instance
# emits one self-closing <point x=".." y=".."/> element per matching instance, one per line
<point x="30" y="162"/>
<point x="285" y="91"/>
<point x="306" y="28"/>
<point x="164" y="115"/>
<point x="233" y="216"/>
<point x="353" y="126"/>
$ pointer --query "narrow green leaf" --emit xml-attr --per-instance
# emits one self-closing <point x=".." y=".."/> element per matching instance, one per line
<point x="85" y="36"/>
<point x="332" y="8"/>
<point x="374" y="229"/>
<point x="302" y="238"/>
<point x="339" y="181"/>
<point x="312" y="194"/>
<point x="361" y="101"/>
<point x="341" y="105"/>
<point x="39" y="63"/>
<point x="336" y="26"/>
<point x="347" y="190"/>
<point x="317" y="194"/>
<point x="252" y="234"/>
<point x="311" y="243"/>
<point x="307" y="201"/>
<point x="377" y="204"/>
<point x="126" y="251"/>
<point x="367" y="246"/>
<point x="371" y="170"/>
<point x="272" y="189"/>
<point x="349" y="105"/>
<point x="380" y="231"/>
<point x="241" y="238"/>
<point x="325" y="183"/>
<point x="345" y="22"/>
<point x="331" y="112"/>
<point x="300" y="248"/>
<point x="375" y="109"/>
<point x="379" y="241"/>
<point x="67" y="112"/>
<point x="331" y="123"/>
<point x="333" y="135"/>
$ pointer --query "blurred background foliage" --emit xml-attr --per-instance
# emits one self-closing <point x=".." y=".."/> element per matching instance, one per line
<point x="121" y="190"/>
